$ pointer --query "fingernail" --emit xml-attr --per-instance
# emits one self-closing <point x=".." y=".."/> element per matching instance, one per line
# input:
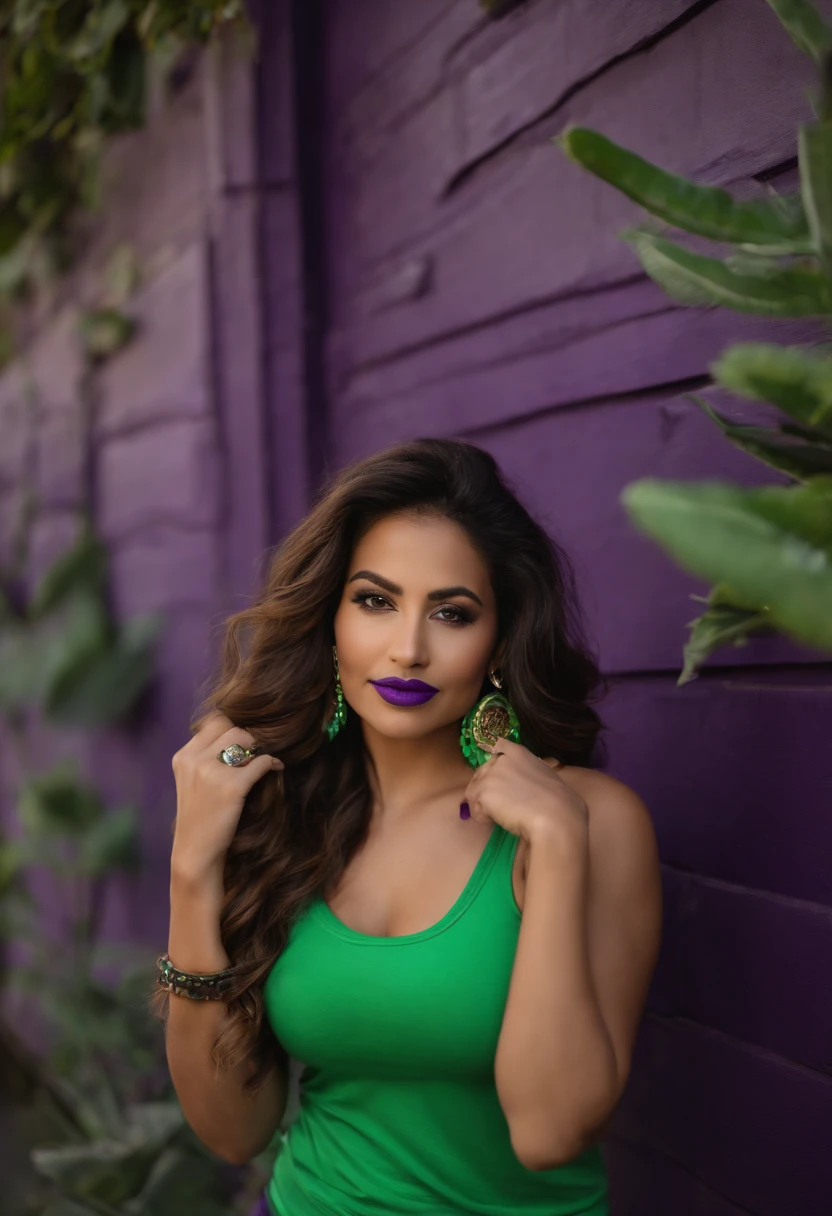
<point x="464" y="810"/>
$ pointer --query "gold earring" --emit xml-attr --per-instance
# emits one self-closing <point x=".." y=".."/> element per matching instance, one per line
<point x="490" y="719"/>
<point x="496" y="678"/>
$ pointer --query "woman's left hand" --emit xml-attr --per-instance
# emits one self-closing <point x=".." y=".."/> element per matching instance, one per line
<point x="525" y="795"/>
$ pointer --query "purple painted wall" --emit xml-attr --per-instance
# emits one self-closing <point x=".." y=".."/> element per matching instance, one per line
<point x="477" y="287"/>
<point x="367" y="234"/>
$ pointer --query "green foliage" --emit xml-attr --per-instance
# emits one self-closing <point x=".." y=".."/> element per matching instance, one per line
<point x="767" y="551"/>
<point x="692" y="278"/>
<point x="806" y="26"/>
<point x="150" y="1166"/>
<point x="63" y="654"/>
<point x="105" y="331"/>
<point x="75" y="72"/>
<point x="124" y="1149"/>
<point x="773" y="224"/>
<point x="58" y="804"/>
<point x="724" y="623"/>
<point x="85" y="564"/>
<point x="769" y="548"/>
<point x="110" y="1170"/>
<point x="815" y="156"/>
<point x="128" y="1151"/>
<point x="789" y="377"/>
<point x="784" y="448"/>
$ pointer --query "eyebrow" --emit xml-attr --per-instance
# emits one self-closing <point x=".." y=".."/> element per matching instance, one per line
<point x="444" y="593"/>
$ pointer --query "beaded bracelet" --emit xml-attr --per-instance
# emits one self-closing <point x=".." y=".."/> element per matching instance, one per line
<point x="198" y="987"/>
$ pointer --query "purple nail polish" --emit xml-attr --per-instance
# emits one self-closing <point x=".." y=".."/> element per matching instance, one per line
<point x="464" y="810"/>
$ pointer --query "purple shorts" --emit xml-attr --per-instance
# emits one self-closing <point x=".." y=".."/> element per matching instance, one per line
<point x="262" y="1208"/>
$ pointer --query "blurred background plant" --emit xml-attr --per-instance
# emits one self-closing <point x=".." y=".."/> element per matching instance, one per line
<point x="767" y="551"/>
<point x="75" y="72"/>
<point x="96" y="1101"/>
<point x="112" y="1138"/>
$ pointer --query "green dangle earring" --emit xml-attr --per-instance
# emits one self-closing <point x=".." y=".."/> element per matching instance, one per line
<point x="492" y="718"/>
<point x="339" y="716"/>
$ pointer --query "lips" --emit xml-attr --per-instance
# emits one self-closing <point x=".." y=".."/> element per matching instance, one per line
<point x="405" y="693"/>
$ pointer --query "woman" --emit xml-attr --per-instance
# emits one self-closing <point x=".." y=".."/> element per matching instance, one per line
<point x="405" y="879"/>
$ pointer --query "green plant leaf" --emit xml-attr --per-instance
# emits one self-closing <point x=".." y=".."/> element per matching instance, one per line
<point x="797" y="457"/>
<point x="59" y="803"/>
<point x="110" y="1171"/>
<point x="33" y="656"/>
<point x="797" y="381"/>
<point x="12" y="860"/>
<point x="22" y="668"/>
<point x="101" y="26"/>
<point x="694" y="279"/>
<point x="723" y="624"/>
<point x="16" y="266"/>
<point x="755" y="263"/>
<point x="25" y="17"/>
<point x="84" y="564"/>
<point x="815" y="156"/>
<point x="179" y="1182"/>
<point x="771" y="548"/>
<point x="100" y="689"/>
<point x="126" y="86"/>
<point x="81" y="633"/>
<point x="111" y="844"/>
<point x="113" y="1171"/>
<point x="105" y="331"/>
<point x="805" y="25"/>
<point x="155" y="1122"/>
<point x="12" y="226"/>
<point x="123" y="275"/>
<point x="768" y="223"/>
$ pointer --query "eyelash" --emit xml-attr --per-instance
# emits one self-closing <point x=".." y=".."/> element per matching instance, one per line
<point x="462" y="617"/>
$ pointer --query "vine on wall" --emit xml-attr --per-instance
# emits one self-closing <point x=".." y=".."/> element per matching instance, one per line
<point x="111" y="1138"/>
<point x="73" y="73"/>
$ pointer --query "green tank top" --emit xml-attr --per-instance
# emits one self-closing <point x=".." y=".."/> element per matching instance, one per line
<point x="398" y="1105"/>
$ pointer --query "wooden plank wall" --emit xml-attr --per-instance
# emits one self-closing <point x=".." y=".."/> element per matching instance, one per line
<point x="477" y="287"/>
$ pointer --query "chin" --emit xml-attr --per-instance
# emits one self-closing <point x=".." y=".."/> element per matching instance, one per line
<point x="392" y="722"/>
<point x="397" y="726"/>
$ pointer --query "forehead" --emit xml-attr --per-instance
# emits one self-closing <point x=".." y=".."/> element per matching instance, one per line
<point x="421" y="552"/>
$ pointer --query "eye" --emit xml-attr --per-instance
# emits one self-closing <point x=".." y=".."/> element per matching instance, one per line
<point x="457" y="615"/>
<point x="365" y="598"/>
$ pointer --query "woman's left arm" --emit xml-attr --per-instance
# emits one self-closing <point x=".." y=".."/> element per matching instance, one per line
<point x="587" y="947"/>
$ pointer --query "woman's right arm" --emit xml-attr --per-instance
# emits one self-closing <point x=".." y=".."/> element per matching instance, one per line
<point x="233" y="1123"/>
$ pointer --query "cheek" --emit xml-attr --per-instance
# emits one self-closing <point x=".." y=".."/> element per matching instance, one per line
<point x="465" y="654"/>
<point x="355" y="639"/>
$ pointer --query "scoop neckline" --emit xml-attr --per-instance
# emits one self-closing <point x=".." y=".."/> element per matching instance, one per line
<point x="478" y="874"/>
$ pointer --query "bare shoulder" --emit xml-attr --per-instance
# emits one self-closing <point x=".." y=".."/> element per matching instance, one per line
<point x="618" y="816"/>
<point x="620" y="824"/>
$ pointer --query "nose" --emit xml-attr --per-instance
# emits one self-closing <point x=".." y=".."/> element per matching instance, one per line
<point x="408" y="643"/>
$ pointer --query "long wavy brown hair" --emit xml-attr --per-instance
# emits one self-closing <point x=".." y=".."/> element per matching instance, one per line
<point x="300" y="827"/>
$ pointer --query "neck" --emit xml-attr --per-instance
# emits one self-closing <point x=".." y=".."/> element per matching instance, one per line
<point x="412" y="772"/>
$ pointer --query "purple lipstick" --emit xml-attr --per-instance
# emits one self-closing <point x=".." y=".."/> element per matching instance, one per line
<point x="404" y="692"/>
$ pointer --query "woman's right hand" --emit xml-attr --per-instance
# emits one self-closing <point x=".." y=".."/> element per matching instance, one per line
<point x="210" y="796"/>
